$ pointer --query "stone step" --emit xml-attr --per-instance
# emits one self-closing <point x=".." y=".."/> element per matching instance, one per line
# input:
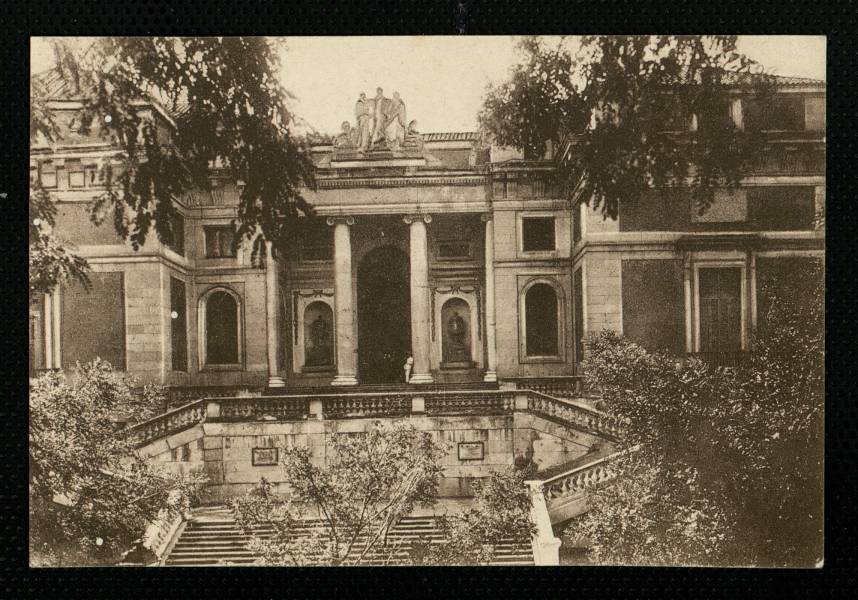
<point x="213" y="538"/>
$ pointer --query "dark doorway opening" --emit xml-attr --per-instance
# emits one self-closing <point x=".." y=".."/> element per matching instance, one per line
<point x="384" y="315"/>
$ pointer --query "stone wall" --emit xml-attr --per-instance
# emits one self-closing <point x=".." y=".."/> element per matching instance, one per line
<point x="224" y="450"/>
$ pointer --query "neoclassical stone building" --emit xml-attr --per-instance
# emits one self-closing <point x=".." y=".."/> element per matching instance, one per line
<point x="435" y="246"/>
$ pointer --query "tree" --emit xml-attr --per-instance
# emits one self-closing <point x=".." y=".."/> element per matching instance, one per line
<point x="728" y="462"/>
<point x="375" y="479"/>
<point x="229" y="110"/>
<point x="500" y="514"/>
<point x="614" y="98"/>
<point x="91" y="494"/>
<point x="372" y="481"/>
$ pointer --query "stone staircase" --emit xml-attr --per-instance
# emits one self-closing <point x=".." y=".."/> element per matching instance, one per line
<point x="212" y="538"/>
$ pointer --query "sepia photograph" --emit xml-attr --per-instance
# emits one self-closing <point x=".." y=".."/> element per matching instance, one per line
<point x="427" y="301"/>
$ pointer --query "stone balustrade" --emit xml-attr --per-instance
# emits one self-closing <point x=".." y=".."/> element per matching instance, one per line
<point x="358" y="405"/>
<point x="171" y="421"/>
<point x="559" y="387"/>
<point x="394" y="404"/>
<point x="578" y="415"/>
<point x="272" y="408"/>
<point x="579" y="479"/>
<point x="162" y="531"/>
<point x="472" y="403"/>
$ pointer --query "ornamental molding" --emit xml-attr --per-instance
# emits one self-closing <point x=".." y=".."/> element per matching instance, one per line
<point x="383" y="182"/>
<point x="461" y="290"/>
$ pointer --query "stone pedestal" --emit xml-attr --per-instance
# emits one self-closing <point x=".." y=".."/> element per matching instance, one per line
<point x="344" y="303"/>
<point x="420" y="324"/>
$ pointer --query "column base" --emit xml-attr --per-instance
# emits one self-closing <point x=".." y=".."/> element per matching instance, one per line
<point x="490" y="376"/>
<point x="421" y="378"/>
<point x="276" y="381"/>
<point x="344" y="380"/>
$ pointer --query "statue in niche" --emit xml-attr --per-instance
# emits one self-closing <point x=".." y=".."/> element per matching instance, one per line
<point x="318" y="352"/>
<point x="457" y="330"/>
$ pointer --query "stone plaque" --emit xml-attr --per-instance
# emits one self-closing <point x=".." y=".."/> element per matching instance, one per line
<point x="471" y="451"/>
<point x="265" y="457"/>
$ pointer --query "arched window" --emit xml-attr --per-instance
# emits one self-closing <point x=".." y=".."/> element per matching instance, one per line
<point x="222" y="329"/>
<point x="318" y="335"/>
<point x="540" y="321"/>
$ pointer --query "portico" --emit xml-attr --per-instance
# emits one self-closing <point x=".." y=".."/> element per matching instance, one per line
<point x="399" y="283"/>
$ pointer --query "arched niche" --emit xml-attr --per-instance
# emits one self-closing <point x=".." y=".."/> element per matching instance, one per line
<point x="220" y="325"/>
<point x="307" y="305"/>
<point x="457" y="331"/>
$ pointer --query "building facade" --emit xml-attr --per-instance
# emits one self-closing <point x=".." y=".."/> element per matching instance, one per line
<point x="440" y="247"/>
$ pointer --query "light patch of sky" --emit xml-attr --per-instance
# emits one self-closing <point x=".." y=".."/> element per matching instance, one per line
<point x="442" y="79"/>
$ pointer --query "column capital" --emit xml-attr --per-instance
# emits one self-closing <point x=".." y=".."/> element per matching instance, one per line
<point x="340" y="220"/>
<point x="409" y="219"/>
<point x="486" y="217"/>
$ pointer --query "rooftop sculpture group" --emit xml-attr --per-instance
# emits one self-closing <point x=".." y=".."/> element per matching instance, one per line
<point x="380" y="124"/>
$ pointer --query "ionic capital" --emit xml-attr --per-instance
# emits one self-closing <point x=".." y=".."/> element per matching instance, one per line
<point x="409" y="219"/>
<point x="340" y="220"/>
<point x="486" y="217"/>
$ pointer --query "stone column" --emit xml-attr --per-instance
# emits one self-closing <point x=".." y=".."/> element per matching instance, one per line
<point x="345" y="314"/>
<point x="689" y="304"/>
<point x="420" y="323"/>
<point x="47" y="323"/>
<point x="491" y="347"/>
<point x="272" y="314"/>
<point x="56" y="327"/>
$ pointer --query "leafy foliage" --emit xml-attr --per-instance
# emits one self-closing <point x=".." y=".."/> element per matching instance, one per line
<point x="618" y="97"/>
<point x="374" y="479"/>
<point x="214" y="103"/>
<point x="729" y="465"/>
<point x="91" y="494"/>
<point x="500" y="513"/>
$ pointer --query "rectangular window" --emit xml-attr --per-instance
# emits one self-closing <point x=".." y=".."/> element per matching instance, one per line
<point x="219" y="241"/>
<point x="577" y="215"/>
<point x="49" y="175"/>
<point x="37" y="344"/>
<point x="77" y="177"/>
<point x="538" y="234"/>
<point x="317" y="243"/>
<point x="720" y="291"/>
<point x="178" y="324"/>
<point x="177" y="244"/>
<point x="92" y="175"/>
<point x="578" y="294"/>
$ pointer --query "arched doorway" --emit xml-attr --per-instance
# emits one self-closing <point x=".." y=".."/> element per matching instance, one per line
<point x="384" y="315"/>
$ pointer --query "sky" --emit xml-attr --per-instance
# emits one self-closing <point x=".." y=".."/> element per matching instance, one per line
<point x="442" y="79"/>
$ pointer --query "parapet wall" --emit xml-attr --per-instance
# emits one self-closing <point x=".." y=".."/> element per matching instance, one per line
<point x="234" y="443"/>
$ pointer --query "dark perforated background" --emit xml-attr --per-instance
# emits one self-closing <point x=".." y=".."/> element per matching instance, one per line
<point x="20" y="19"/>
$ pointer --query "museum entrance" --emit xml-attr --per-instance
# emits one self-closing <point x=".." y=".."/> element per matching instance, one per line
<point x="384" y="315"/>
